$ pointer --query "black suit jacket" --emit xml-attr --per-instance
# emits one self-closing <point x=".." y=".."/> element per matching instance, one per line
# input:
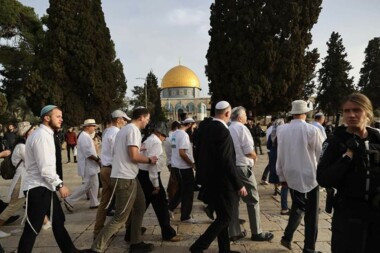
<point x="216" y="160"/>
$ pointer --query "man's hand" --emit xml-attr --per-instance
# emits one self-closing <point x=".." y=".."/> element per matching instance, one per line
<point x="153" y="159"/>
<point x="243" y="192"/>
<point x="5" y="153"/>
<point x="156" y="190"/>
<point x="284" y="184"/>
<point x="64" y="192"/>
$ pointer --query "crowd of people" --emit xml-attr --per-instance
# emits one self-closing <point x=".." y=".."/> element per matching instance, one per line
<point x="215" y="158"/>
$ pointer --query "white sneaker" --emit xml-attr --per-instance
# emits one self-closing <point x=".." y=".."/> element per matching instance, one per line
<point x="171" y="215"/>
<point x="46" y="226"/>
<point x="191" y="221"/>
<point x="4" y="234"/>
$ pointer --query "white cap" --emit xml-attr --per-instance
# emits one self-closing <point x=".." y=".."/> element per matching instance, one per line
<point x="119" y="114"/>
<point x="188" y="120"/>
<point x="222" y="105"/>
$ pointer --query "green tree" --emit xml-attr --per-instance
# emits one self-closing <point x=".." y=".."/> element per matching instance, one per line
<point x="258" y="52"/>
<point x="77" y="69"/>
<point x="369" y="82"/>
<point x="21" y="34"/>
<point x="151" y="97"/>
<point x="334" y="80"/>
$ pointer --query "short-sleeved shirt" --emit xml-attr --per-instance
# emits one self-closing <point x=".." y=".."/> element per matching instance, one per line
<point x="108" y="141"/>
<point x="180" y="140"/>
<point x="122" y="166"/>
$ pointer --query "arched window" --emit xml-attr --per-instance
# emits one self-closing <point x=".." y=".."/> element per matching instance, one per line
<point x="190" y="107"/>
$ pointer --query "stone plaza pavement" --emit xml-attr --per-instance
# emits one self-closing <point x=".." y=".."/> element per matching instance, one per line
<point x="80" y="223"/>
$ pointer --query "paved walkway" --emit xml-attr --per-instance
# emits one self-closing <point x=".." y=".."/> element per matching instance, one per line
<point x="80" y="224"/>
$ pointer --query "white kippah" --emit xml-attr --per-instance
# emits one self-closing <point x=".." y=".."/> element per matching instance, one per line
<point x="222" y="105"/>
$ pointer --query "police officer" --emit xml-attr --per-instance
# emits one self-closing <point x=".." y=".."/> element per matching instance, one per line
<point x="350" y="164"/>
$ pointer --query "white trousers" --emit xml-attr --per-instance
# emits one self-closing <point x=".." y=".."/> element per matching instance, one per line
<point x="90" y="185"/>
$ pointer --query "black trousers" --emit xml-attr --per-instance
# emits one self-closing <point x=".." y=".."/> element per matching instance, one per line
<point x="68" y="148"/>
<point x="185" y="192"/>
<point x="257" y="143"/>
<point x="222" y="202"/>
<point x="304" y="204"/>
<point x="159" y="203"/>
<point x="355" y="228"/>
<point x="39" y="202"/>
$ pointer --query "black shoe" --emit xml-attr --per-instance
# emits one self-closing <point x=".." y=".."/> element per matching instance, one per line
<point x="192" y="250"/>
<point x="209" y="213"/>
<point x="238" y="237"/>
<point x="264" y="236"/>
<point x="127" y="236"/>
<point x="141" y="247"/>
<point x="11" y="219"/>
<point x="287" y="244"/>
<point x="242" y="221"/>
<point x="1" y="249"/>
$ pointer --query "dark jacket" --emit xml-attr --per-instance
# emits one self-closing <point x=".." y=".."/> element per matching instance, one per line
<point x="217" y="160"/>
<point x="349" y="177"/>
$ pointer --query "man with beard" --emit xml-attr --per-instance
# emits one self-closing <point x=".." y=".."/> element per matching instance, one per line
<point x="41" y="183"/>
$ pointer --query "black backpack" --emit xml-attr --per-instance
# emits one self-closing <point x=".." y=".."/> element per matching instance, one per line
<point x="7" y="169"/>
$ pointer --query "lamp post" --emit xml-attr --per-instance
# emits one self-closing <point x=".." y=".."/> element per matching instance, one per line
<point x="145" y="89"/>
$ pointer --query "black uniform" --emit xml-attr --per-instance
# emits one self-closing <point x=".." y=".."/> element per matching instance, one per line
<point x="356" y="218"/>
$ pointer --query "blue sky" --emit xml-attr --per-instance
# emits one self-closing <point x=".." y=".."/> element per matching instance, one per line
<point x="156" y="35"/>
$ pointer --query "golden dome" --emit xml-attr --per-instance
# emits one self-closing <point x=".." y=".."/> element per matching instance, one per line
<point x="180" y="76"/>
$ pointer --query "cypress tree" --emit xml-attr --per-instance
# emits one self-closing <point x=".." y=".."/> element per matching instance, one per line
<point x="258" y="54"/>
<point x="369" y="82"/>
<point x="334" y="80"/>
<point x="78" y="68"/>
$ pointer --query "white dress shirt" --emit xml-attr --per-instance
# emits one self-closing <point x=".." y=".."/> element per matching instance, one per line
<point x="122" y="166"/>
<point x="299" y="148"/>
<point x="243" y="143"/>
<point x="86" y="148"/>
<point x="153" y="147"/>
<point x="40" y="160"/>
<point x="108" y="141"/>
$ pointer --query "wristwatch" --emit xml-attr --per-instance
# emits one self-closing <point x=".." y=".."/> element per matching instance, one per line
<point x="59" y="186"/>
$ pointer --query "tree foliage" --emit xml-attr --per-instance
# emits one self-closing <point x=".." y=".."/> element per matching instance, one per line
<point x="369" y="82"/>
<point x="77" y="68"/>
<point x="334" y="80"/>
<point x="258" y="53"/>
<point x="21" y="35"/>
<point x="151" y="97"/>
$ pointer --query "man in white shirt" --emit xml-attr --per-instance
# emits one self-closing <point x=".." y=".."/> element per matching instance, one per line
<point x="299" y="148"/>
<point x="319" y="119"/>
<point x="245" y="159"/>
<point x="149" y="178"/>
<point x="88" y="168"/>
<point x="118" y="120"/>
<point x="42" y="182"/>
<point x="182" y="166"/>
<point x="128" y="192"/>
<point x="173" y="181"/>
